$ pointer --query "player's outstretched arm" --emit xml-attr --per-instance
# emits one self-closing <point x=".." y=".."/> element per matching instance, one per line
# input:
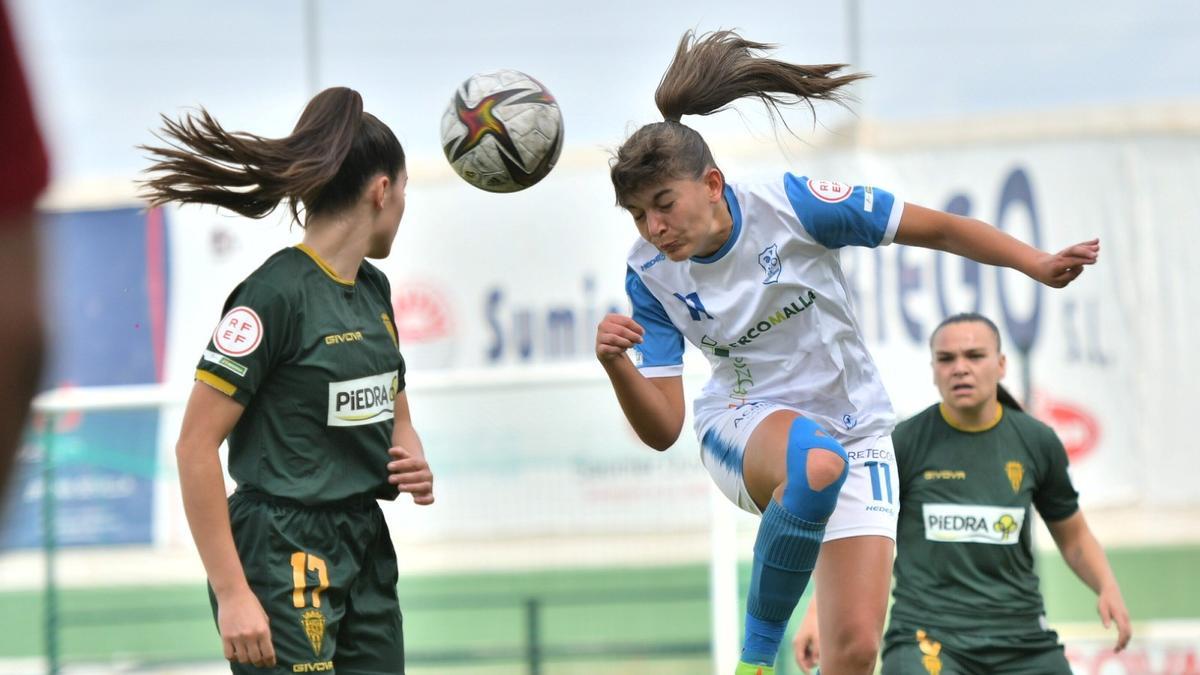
<point x="979" y="241"/>
<point x="1085" y="557"/>
<point x="208" y="419"/>
<point x="653" y="406"/>
<point x="408" y="470"/>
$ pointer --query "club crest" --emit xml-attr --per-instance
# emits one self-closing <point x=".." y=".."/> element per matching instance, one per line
<point x="769" y="261"/>
<point x="1016" y="473"/>
<point x="314" y="628"/>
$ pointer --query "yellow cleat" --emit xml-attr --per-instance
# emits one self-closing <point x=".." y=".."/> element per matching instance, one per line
<point x="744" y="668"/>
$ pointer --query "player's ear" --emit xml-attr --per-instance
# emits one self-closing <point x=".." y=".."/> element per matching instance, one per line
<point x="714" y="183"/>
<point x="377" y="190"/>
<point x="1003" y="366"/>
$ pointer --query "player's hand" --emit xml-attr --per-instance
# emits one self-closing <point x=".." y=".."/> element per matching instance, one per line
<point x="616" y="334"/>
<point x="806" y="643"/>
<point x="1059" y="269"/>
<point x="245" y="629"/>
<point x="409" y="472"/>
<point x="1111" y="607"/>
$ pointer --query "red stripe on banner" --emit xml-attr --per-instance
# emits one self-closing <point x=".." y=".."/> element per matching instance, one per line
<point x="156" y="287"/>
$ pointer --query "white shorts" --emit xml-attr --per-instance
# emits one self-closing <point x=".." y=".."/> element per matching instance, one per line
<point x="869" y="501"/>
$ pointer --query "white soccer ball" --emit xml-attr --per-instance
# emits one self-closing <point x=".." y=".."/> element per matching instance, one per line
<point x="502" y="131"/>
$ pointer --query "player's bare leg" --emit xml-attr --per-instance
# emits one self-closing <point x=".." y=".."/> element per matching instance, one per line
<point x="853" y="578"/>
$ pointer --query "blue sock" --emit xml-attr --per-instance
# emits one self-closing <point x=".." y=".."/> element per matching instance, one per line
<point x="785" y="553"/>
<point x="789" y="538"/>
<point x="762" y="640"/>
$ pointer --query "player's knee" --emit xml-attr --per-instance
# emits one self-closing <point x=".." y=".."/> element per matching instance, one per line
<point x="855" y="652"/>
<point x="816" y="469"/>
<point x="815" y="455"/>
<point x="824" y="468"/>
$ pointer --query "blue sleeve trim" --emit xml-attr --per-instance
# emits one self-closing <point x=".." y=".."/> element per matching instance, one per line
<point x="662" y="345"/>
<point x="835" y="218"/>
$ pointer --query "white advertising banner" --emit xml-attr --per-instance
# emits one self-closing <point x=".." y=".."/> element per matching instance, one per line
<point x="497" y="298"/>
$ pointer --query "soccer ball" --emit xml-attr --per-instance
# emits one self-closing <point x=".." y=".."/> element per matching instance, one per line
<point x="502" y="131"/>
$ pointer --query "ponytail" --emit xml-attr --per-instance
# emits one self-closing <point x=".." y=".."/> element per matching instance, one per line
<point x="711" y="71"/>
<point x="1006" y="399"/>
<point x="707" y="74"/>
<point x="323" y="165"/>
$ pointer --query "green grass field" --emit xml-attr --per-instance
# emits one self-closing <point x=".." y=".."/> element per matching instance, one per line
<point x="588" y="621"/>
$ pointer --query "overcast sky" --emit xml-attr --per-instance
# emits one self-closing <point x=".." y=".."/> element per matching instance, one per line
<point x="102" y="72"/>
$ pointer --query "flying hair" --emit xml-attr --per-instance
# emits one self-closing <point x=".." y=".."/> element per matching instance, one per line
<point x="713" y="70"/>
<point x="706" y="75"/>
<point x="323" y="165"/>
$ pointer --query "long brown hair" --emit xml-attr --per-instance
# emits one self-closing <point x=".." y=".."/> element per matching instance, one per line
<point x="334" y="149"/>
<point x="708" y="73"/>
<point x="1005" y="397"/>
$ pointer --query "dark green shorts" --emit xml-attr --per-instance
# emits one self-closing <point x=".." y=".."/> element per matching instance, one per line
<point x="326" y="576"/>
<point x="921" y="652"/>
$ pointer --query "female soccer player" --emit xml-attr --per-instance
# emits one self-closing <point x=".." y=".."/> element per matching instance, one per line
<point x="967" y="599"/>
<point x="795" y="407"/>
<point x="304" y="377"/>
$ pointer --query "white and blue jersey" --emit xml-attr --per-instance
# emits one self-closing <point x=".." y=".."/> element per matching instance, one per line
<point x="771" y="310"/>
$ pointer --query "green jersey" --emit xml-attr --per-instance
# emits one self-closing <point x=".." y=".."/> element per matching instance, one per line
<point x="314" y="360"/>
<point x="964" y="559"/>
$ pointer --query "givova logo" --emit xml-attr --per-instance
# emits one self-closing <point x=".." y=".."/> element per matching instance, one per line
<point x="315" y="667"/>
<point x="366" y="400"/>
<point x="973" y="523"/>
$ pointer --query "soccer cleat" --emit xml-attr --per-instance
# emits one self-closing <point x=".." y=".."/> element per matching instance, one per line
<point x="744" y="668"/>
